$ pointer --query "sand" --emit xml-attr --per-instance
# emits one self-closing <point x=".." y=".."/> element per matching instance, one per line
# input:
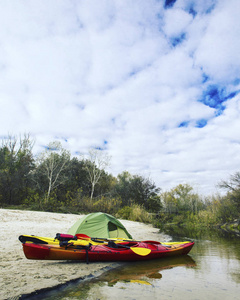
<point x="20" y="276"/>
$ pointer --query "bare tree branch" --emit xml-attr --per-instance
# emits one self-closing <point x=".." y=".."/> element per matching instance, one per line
<point x="98" y="160"/>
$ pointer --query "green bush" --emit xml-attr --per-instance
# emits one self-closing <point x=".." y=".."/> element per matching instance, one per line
<point x="107" y="205"/>
<point x="154" y="203"/>
<point x="124" y="212"/>
<point x="135" y="212"/>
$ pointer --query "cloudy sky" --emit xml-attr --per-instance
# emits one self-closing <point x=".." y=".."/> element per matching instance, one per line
<point x="155" y="83"/>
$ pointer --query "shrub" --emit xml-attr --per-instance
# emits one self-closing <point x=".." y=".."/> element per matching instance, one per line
<point x="107" y="205"/>
<point x="135" y="212"/>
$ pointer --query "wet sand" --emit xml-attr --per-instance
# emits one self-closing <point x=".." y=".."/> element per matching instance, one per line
<point x="20" y="276"/>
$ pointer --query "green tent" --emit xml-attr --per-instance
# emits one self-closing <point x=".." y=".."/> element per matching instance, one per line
<point x="100" y="225"/>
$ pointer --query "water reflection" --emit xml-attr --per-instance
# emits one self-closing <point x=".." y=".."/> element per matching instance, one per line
<point x="128" y="275"/>
<point x="139" y="271"/>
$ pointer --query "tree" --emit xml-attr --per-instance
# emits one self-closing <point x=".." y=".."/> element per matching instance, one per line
<point x="181" y="199"/>
<point x="97" y="161"/>
<point x="105" y="185"/>
<point x="77" y="177"/>
<point x="169" y="202"/>
<point x="233" y="187"/>
<point x="51" y="165"/>
<point x="122" y="187"/>
<point x="144" y="191"/>
<point x="139" y="190"/>
<point x="16" y="161"/>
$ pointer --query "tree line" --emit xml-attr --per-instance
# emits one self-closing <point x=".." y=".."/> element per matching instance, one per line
<point x="55" y="181"/>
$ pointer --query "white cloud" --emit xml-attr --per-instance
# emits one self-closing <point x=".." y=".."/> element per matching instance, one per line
<point x="129" y="74"/>
<point x="219" y="49"/>
<point x="176" y="22"/>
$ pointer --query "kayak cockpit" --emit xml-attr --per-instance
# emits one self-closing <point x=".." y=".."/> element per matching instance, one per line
<point x="126" y="245"/>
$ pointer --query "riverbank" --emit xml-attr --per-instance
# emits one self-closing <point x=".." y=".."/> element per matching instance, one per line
<point x="20" y="276"/>
<point x="233" y="227"/>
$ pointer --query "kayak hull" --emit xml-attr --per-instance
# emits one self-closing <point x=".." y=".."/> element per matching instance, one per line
<point x="106" y="253"/>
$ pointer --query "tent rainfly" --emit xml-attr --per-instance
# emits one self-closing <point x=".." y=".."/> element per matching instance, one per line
<point x="100" y="225"/>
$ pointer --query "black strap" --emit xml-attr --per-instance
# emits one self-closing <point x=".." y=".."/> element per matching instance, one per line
<point x="87" y="261"/>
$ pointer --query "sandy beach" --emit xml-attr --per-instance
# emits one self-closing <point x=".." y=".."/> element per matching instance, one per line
<point x="20" y="276"/>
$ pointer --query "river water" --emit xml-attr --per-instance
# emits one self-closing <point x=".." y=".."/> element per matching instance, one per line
<point x="210" y="271"/>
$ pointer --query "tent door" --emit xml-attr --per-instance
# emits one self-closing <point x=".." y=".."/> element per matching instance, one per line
<point x="113" y="230"/>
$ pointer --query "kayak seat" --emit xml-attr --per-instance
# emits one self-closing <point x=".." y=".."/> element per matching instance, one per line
<point x="111" y="244"/>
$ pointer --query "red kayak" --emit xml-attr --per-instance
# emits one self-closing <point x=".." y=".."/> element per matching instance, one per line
<point x="126" y="251"/>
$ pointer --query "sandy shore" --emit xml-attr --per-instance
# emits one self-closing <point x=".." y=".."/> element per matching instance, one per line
<point x="20" y="276"/>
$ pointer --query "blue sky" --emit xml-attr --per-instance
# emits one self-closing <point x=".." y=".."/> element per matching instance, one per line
<point x="154" y="83"/>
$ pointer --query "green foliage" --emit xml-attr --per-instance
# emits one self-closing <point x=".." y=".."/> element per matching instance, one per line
<point x="125" y="213"/>
<point x="123" y="186"/>
<point x="139" y="190"/>
<point x="33" y="200"/>
<point x="223" y="209"/>
<point x="16" y="161"/>
<point x="181" y="200"/>
<point x="135" y="212"/>
<point x="107" y="205"/>
<point x="233" y="187"/>
<point x="215" y="211"/>
<point x="53" y="204"/>
<point x="154" y="203"/>
<point x="206" y="217"/>
<point x="78" y="202"/>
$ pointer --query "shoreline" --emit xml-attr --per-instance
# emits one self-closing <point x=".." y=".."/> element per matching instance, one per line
<point x="22" y="277"/>
<point x="43" y="291"/>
